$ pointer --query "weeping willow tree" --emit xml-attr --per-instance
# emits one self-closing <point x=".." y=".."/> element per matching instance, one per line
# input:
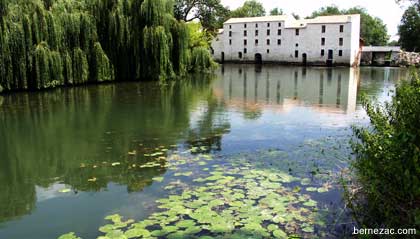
<point x="48" y="43"/>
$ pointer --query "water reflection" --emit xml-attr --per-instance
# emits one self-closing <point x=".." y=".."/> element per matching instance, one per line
<point x="256" y="87"/>
<point x="74" y="136"/>
<point x="71" y="138"/>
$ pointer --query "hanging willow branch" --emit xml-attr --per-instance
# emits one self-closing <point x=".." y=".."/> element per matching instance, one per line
<point x="48" y="43"/>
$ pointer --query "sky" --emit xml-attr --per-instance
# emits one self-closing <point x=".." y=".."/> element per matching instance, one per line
<point x="387" y="10"/>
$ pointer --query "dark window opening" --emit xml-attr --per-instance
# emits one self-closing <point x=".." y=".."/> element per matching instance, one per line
<point x="240" y="55"/>
<point x="297" y="32"/>
<point x="322" y="52"/>
<point x="245" y="42"/>
<point x="297" y="44"/>
<point x="268" y="51"/>
<point x="268" y="24"/>
<point x="245" y="50"/>
<point x="341" y="28"/>
<point x="245" y="25"/>
<point x="268" y="32"/>
<point x="256" y="42"/>
<point x="279" y="24"/>
<point x="279" y="32"/>
<point x="230" y="33"/>
<point x="341" y="41"/>
<point x="340" y="53"/>
<point x="323" y="28"/>
<point x="323" y="41"/>
<point x="230" y="26"/>
<point x="296" y="54"/>
<point x="230" y="41"/>
<point x="245" y="33"/>
<point x="256" y="32"/>
<point x="256" y="25"/>
<point x="268" y="42"/>
<point x="279" y="42"/>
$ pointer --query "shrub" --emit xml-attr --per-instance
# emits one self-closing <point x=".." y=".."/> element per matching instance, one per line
<point x="387" y="163"/>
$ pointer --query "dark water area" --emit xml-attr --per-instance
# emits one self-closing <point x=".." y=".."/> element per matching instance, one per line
<point x="71" y="157"/>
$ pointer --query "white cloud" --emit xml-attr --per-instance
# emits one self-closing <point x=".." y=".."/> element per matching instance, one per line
<point x="387" y="10"/>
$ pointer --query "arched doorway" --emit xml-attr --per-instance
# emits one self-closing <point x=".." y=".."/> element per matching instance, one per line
<point x="304" y="59"/>
<point x="258" y="58"/>
<point x="223" y="58"/>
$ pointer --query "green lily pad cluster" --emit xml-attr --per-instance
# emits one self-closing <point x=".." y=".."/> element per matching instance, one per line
<point x="228" y="203"/>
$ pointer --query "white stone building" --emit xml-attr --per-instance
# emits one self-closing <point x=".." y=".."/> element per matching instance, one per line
<point x="326" y="40"/>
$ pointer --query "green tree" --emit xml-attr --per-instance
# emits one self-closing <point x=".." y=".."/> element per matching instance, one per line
<point x="373" y="30"/>
<point x="326" y="11"/>
<point x="251" y="8"/>
<point x="276" y="11"/>
<point x="409" y="29"/>
<point x="211" y="13"/>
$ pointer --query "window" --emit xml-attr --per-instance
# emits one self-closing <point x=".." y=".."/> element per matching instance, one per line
<point x="256" y="32"/>
<point x="256" y="42"/>
<point x="268" y="24"/>
<point x="268" y="32"/>
<point x="279" y="42"/>
<point x="268" y="42"/>
<point x="341" y="28"/>
<point x="256" y="25"/>
<point x="268" y="51"/>
<point x="230" y="26"/>
<point x="230" y="33"/>
<point x="245" y="25"/>
<point x="297" y="44"/>
<point x="240" y="55"/>
<point x="296" y="54"/>
<point x="322" y="52"/>
<point x="279" y="24"/>
<point x="230" y="41"/>
<point x="323" y="28"/>
<point x="245" y="42"/>
<point x="323" y="41"/>
<point x="245" y="33"/>
<point x="279" y="32"/>
<point x="245" y="50"/>
<point x="341" y="41"/>
<point x="340" y="53"/>
<point x="297" y="32"/>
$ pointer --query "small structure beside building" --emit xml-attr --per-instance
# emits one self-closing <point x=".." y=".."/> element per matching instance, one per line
<point x="380" y="55"/>
<point x="325" y="40"/>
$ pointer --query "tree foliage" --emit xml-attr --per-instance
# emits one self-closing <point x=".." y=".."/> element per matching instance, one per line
<point x="48" y="43"/>
<point x="276" y="11"/>
<point x="373" y="30"/>
<point x="409" y="29"/>
<point x="250" y="8"/>
<point x="387" y="161"/>
<point x="211" y="13"/>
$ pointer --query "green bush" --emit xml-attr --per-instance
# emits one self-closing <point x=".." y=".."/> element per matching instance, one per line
<point x="387" y="163"/>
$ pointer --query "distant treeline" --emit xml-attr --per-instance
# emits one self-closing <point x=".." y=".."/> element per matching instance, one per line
<point x="48" y="43"/>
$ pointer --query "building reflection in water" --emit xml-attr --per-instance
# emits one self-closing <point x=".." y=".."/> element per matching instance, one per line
<point x="322" y="89"/>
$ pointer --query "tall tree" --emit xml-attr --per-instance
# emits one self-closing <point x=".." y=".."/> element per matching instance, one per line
<point x="373" y="30"/>
<point x="211" y="13"/>
<point x="409" y="29"/>
<point x="251" y="8"/>
<point x="276" y="11"/>
<point x="326" y="11"/>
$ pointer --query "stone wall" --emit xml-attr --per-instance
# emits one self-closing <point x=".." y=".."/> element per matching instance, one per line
<point x="408" y="59"/>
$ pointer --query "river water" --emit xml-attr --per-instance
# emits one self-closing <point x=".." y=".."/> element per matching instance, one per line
<point x="249" y="147"/>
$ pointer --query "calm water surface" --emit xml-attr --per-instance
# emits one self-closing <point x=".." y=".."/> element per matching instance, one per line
<point x="70" y="157"/>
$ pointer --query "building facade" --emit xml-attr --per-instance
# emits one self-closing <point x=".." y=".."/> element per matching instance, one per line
<point x="326" y="40"/>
